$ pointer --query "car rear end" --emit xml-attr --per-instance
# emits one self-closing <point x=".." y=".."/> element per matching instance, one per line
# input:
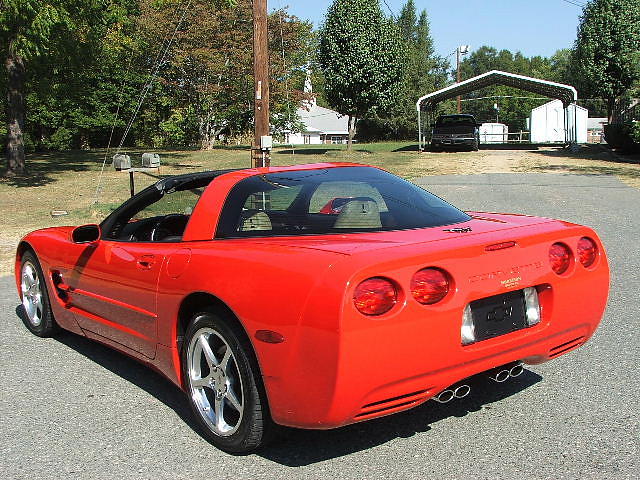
<point x="420" y="316"/>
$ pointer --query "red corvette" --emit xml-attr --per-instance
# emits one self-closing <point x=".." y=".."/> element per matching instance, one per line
<point x="316" y="295"/>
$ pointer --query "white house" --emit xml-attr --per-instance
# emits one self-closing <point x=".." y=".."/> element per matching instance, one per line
<point x="547" y="123"/>
<point x="595" y="129"/>
<point x="321" y="125"/>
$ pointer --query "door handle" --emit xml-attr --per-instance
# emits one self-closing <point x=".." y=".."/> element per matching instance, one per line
<point x="146" y="262"/>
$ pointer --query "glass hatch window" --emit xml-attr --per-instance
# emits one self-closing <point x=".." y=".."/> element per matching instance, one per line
<point x="330" y="201"/>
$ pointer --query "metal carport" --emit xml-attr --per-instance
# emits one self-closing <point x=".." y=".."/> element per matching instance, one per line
<point x="565" y="93"/>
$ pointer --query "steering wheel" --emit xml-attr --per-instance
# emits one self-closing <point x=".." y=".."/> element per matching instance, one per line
<point x="172" y="224"/>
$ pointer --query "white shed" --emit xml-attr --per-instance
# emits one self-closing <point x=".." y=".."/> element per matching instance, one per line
<point x="548" y="123"/>
<point x="494" y="133"/>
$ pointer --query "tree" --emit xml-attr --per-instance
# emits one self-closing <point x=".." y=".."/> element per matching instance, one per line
<point x="605" y="52"/>
<point x="204" y="89"/>
<point x="28" y="29"/>
<point x="361" y="58"/>
<point x="425" y="72"/>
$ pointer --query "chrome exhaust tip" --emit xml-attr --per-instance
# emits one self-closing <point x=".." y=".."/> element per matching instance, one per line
<point x="462" y="391"/>
<point x="500" y="376"/>
<point x="445" y="396"/>
<point x="505" y="372"/>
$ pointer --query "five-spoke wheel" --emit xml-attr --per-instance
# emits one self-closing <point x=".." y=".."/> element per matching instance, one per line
<point x="31" y="294"/>
<point x="35" y="298"/>
<point x="214" y="381"/>
<point x="223" y="383"/>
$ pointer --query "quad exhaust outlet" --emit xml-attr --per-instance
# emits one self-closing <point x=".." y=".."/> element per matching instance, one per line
<point x="498" y="374"/>
<point x="505" y="372"/>
<point x="454" y="391"/>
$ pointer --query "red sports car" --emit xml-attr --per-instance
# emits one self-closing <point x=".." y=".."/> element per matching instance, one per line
<point x="314" y="296"/>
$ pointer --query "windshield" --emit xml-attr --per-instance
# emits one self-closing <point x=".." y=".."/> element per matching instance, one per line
<point x="334" y="200"/>
<point x="455" y="120"/>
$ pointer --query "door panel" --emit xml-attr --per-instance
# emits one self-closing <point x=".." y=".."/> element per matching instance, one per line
<point x="113" y="292"/>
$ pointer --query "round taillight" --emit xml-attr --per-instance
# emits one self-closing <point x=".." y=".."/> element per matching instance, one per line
<point x="559" y="258"/>
<point x="375" y="296"/>
<point x="429" y="286"/>
<point x="587" y="251"/>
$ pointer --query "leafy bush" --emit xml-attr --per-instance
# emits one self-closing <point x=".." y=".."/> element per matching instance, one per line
<point x="634" y="130"/>
<point x="623" y="136"/>
<point x="61" y="139"/>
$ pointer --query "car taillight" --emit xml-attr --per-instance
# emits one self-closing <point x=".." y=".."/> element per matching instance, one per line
<point x="429" y="286"/>
<point x="375" y="296"/>
<point x="559" y="257"/>
<point x="587" y="251"/>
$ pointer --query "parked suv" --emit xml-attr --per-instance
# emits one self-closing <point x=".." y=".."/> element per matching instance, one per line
<point x="455" y="131"/>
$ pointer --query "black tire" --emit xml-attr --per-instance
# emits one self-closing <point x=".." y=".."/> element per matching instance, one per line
<point x="38" y="317"/>
<point x="434" y="148"/>
<point x="254" y="426"/>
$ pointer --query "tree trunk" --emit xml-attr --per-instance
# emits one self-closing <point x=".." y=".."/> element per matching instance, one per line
<point x="352" y="132"/>
<point x="14" y="65"/>
<point x="611" y="105"/>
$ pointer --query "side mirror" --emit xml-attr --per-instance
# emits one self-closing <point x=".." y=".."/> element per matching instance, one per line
<point x="86" y="234"/>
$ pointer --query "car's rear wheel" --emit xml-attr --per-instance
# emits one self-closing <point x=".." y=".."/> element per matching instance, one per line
<point x="223" y="384"/>
<point x="35" y="298"/>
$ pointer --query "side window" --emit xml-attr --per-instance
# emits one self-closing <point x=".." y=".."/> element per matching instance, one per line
<point x="181" y="202"/>
<point x="162" y="220"/>
<point x="333" y="194"/>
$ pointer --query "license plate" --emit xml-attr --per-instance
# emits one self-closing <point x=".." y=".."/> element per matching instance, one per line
<point x="498" y="315"/>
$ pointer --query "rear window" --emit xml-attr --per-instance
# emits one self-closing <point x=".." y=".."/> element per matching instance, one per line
<point x="334" y="200"/>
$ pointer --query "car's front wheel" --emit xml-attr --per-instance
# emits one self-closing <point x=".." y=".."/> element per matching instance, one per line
<point x="35" y="298"/>
<point x="223" y="383"/>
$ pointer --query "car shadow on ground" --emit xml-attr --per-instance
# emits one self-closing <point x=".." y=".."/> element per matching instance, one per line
<point x="128" y="369"/>
<point x="296" y="447"/>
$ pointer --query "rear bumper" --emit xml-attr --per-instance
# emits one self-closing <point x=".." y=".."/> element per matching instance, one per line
<point x="387" y="381"/>
<point x="410" y="392"/>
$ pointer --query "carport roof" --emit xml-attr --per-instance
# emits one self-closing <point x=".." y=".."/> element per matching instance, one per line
<point x="565" y="93"/>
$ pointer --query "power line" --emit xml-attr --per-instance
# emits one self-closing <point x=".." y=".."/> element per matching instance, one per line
<point x="147" y="88"/>
<point x="158" y="62"/>
<point x="393" y="14"/>
<point x="577" y="4"/>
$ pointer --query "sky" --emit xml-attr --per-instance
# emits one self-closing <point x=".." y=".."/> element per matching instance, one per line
<point x="538" y="27"/>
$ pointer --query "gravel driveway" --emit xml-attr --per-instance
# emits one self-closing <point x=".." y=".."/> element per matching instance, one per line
<point x="71" y="408"/>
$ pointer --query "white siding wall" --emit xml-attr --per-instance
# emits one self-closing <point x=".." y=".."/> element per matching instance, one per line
<point x="303" y="139"/>
<point x="548" y="123"/>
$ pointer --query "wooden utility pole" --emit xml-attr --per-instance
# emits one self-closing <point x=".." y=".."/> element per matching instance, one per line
<point x="458" y="77"/>
<point x="260" y="157"/>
